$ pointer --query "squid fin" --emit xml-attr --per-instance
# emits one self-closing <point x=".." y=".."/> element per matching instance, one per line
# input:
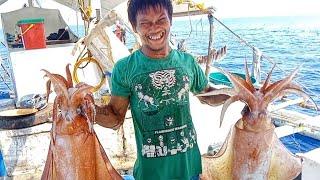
<point x="219" y="166"/>
<point x="284" y="164"/>
<point x="225" y="91"/>
<point x="226" y="105"/>
<point x="49" y="171"/>
<point x="104" y="168"/>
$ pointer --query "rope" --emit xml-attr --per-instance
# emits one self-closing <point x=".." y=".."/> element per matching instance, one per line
<point x="85" y="11"/>
<point x="263" y="55"/>
<point x="89" y="59"/>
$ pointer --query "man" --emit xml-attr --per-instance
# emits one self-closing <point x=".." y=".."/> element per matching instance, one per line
<point x="156" y="81"/>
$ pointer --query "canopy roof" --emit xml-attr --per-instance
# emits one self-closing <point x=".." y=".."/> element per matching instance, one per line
<point x="73" y="4"/>
<point x="53" y="20"/>
<point x="182" y="9"/>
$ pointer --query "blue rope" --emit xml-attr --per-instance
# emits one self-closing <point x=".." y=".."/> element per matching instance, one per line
<point x="108" y="74"/>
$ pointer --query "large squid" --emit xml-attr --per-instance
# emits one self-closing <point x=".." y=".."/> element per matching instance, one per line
<point x="252" y="150"/>
<point x="75" y="152"/>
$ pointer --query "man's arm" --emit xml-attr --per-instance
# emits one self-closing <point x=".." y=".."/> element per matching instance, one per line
<point x="112" y="115"/>
<point x="214" y="100"/>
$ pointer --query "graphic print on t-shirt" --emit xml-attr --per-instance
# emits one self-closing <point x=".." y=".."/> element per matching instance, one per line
<point x="163" y="100"/>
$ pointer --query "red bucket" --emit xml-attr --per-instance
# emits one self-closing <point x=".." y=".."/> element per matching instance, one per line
<point x="32" y="32"/>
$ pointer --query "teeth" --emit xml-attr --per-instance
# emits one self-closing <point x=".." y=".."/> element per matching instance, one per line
<point x="156" y="37"/>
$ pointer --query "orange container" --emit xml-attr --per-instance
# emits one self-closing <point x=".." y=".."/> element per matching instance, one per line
<point x="32" y="32"/>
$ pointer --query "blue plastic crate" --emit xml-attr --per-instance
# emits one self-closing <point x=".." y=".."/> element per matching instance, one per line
<point x="3" y="171"/>
<point x="4" y="95"/>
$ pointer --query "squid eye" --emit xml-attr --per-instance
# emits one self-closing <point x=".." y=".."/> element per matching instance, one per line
<point x="78" y="110"/>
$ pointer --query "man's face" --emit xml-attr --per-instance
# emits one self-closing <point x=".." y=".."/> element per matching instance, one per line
<point x="153" y="27"/>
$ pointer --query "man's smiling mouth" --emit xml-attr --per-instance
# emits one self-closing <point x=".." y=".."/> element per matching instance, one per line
<point x="156" y="36"/>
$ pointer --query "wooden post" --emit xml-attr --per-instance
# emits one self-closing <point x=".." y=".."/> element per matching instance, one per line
<point x="209" y="60"/>
<point x="256" y="64"/>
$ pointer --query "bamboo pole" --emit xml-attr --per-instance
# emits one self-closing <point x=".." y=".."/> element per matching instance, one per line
<point x="209" y="60"/>
<point x="286" y="104"/>
<point x="256" y="61"/>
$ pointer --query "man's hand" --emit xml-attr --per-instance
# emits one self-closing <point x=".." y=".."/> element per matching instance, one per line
<point x="112" y="115"/>
<point x="214" y="100"/>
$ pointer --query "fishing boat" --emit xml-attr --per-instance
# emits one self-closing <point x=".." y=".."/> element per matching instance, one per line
<point x="22" y="132"/>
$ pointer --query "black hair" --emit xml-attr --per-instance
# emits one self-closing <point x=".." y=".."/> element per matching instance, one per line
<point x="135" y="6"/>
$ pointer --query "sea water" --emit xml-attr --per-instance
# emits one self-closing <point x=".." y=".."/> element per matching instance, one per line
<point x="287" y="41"/>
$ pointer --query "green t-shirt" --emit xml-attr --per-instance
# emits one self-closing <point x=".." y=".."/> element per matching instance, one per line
<point x="158" y="90"/>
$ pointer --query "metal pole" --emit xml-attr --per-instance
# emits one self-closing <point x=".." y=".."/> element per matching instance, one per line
<point x="98" y="15"/>
<point x="209" y="60"/>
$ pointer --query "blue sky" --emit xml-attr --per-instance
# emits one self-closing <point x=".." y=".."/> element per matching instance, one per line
<point x="254" y="8"/>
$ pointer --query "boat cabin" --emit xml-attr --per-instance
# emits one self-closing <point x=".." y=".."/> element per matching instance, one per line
<point x="36" y="38"/>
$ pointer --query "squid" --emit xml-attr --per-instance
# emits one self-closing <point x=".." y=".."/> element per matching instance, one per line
<point x="252" y="150"/>
<point x="75" y="152"/>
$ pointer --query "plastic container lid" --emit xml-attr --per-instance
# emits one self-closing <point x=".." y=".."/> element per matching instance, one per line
<point x="31" y="21"/>
<point x="219" y="78"/>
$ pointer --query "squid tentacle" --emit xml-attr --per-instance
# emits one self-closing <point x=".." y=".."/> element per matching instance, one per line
<point x="266" y="82"/>
<point x="248" y="79"/>
<point x="59" y="85"/>
<point x="242" y="88"/>
<point x="69" y="77"/>
<point x="275" y="88"/>
<point x="88" y="112"/>
<point x="79" y="94"/>
<point x="48" y="85"/>
<point x="54" y="119"/>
